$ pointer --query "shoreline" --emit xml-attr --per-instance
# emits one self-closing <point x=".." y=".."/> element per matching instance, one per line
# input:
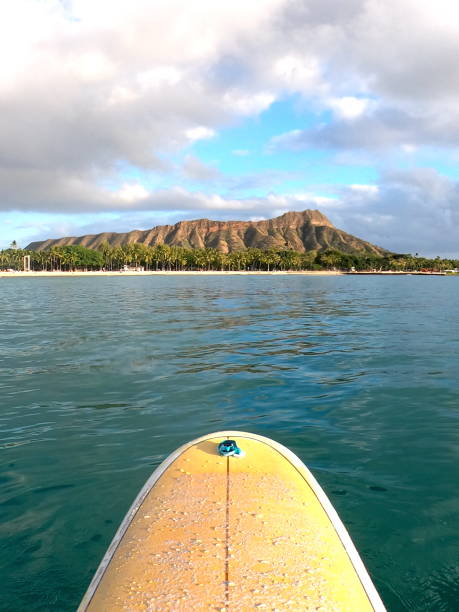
<point x="60" y="273"/>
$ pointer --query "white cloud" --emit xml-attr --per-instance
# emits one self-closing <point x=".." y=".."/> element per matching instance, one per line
<point x="367" y="189"/>
<point x="162" y="75"/>
<point x="349" y="107"/>
<point x="91" y="66"/>
<point x="293" y="140"/>
<point x="200" y="132"/>
<point x="409" y="148"/>
<point x="243" y="104"/>
<point x="240" y="152"/>
<point x="98" y="85"/>
<point x="385" y="129"/>
<point x="196" y="170"/>
<point x="298" y="73"/>
<point x="405" y="211"/>
<point x="122" y="95"/>
<point x="132" y="193"/>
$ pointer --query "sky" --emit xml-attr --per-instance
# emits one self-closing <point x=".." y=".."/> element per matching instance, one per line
<point x="120" y="115"/>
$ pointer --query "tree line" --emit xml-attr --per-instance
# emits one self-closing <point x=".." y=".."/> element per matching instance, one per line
<point x="164" y="257"/>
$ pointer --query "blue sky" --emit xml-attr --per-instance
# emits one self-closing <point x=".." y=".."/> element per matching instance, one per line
<point x="247" y="149"/>
<point x="116" y="116"/>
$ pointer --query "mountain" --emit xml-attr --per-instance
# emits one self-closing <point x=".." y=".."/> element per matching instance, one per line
<point x="301" y="231"/>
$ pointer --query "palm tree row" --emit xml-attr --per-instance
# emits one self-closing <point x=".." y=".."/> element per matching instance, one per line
<point x="57" y="258"/>
<point x="165" y="257"/>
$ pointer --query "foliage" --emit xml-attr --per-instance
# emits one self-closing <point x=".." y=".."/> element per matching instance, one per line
<point x="165" y="257"/>
<point x="57" y="258"/>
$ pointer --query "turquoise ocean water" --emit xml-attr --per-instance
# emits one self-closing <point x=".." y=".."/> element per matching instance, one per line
<point x="101" y="378"/>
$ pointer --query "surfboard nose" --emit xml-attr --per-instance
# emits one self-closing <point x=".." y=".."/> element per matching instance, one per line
<point x="208" y="532"/>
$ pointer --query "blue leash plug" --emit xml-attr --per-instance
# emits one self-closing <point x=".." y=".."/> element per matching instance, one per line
<point x="229" y="448"/>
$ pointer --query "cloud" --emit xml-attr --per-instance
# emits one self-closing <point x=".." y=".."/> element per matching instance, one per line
<point x="200" y="132"/>
<point x="413" y="64"/>
<point x="240" y="152"/>
<point x="349" y="107"/>
<point x="178" y="202"/>
<point x="404" y="211"/>
<point x="132" y="193"/>
<point x="90" y="87"/>
<point x="196" y="170"/>
<point x="407" y="211"/>
<point x="382" y="129"/>
<point x="361" y="45"/>
<point x="389" y="87"/>
<point x="87" y="87"/>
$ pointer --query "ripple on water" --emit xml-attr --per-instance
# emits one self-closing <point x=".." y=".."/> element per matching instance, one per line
<point x="102" y="378"/>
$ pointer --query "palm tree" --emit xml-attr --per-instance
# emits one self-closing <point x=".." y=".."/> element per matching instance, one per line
<point x="56" y="257"/>
<point x="107" y="252"/>
<point x="239" y="260"/>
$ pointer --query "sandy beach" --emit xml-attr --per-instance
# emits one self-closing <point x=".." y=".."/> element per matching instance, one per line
<point x="59" y="273"/>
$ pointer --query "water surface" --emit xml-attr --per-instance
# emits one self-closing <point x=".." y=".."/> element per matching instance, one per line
<point x="101" y="378"/>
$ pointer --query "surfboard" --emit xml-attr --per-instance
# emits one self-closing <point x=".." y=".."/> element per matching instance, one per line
<point x="231" y="521"/>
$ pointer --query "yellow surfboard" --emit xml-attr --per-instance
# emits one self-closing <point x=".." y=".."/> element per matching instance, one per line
<point x="247" y="530"/>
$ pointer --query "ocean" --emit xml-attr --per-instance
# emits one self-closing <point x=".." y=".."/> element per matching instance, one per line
<point x="101" y="378"/>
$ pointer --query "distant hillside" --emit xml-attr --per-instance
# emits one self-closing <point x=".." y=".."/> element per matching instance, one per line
<point x="303" y="231"/>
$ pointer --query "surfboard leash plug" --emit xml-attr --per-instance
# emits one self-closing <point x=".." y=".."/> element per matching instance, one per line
<point x="229" y="448"/>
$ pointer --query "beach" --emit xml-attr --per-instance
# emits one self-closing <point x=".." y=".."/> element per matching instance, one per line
<point x="61" y="273"/>
<point x="58" y="273"/>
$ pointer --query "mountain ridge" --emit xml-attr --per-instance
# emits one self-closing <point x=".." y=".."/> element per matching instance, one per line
<point x="308" y="230"/>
